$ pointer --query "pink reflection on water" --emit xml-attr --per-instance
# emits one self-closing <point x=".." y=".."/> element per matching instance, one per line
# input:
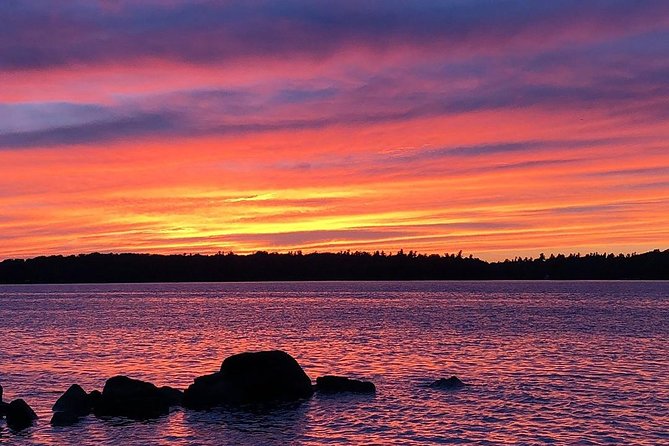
<point x="550" y="362"/>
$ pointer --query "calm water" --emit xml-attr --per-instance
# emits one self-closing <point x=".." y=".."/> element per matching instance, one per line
<point x="563" y="363"/>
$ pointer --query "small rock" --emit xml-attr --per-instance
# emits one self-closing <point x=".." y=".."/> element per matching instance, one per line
<point x="3" y="409"/>
<point x="75" y="401"/>
<point x="94" y="398"/>
<point x="338" y="384"/>
<point x="20" y="415"/>
<point x="64" y="419"/>
<point x="172" y="396"/>
<point x="451" y="383"/>
<point x="206" y="391"/>
<point x="3" y="406"/>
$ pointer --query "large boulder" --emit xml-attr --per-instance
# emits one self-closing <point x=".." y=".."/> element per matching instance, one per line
<point x="452" y="383"/>
<point x="249" y="378"/>
<point x="131" y="398"/>
<point x="20" y="415"/>
<point x="339" y="384"/>
<point x="75" y="400"/>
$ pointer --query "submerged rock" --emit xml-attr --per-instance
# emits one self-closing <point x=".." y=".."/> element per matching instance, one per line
<point x="75" y="400"/>
<point x="20" y="415"/>
<point x="451" y="383"/>
<point x="131" y="398"/>
<point x="338" y="384"/>
<point x="252" y="377"/>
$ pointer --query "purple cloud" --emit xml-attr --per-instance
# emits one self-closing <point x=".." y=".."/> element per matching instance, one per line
<point x="613" y="58"/>
<point x="47" y="33"/>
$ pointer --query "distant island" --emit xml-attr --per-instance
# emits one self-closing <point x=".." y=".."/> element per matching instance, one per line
<point x="295" y="266"/>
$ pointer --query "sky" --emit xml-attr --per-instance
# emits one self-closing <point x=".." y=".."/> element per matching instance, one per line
<point x="501" y="128"/>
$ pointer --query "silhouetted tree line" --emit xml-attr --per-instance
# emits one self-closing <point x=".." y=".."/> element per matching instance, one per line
<point x="264" y="266"/>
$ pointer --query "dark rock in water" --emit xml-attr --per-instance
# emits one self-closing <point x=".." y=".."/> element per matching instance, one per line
<point x="131" y="398"/>
<point x="72" y="405"/>
<point x="64" y="418"/>
<point x="172" y="396"/>
<point x="3" y="406"/>
<point x="337" y="384"/>
<point x="249" y="378"/>
<point x="75" y="401"/>
<point x="20" y="415"/>
<point x="206" y="391"/>
<point x="451" y="383"/>
<point x="94" y="398"/>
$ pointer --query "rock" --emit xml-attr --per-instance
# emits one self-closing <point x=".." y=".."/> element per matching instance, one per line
<point x="64" y="418"/>
<point x="338" y="384"/>
<point x="20" y="415"/>
<point x="75" y="401"/>
<point x="206" y="391"/>
<point x="72" y="405"/>
<point x="3" y="406"/>
<point x="451" y="383"/>
<point x="249" y="378"/>
<point x="173" y="397"/>
<point x="94" y="398"/>
<point x="131" y="398"/>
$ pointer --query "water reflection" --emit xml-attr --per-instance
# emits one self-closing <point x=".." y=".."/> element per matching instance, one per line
<point x="275" y="425"/>
<point x="548" y="362"/>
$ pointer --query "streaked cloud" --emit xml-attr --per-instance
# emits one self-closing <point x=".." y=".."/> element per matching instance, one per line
<point x="497" y="127"/>
<point x="44" y="33"/>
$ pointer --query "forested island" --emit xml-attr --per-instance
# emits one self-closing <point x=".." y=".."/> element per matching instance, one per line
<point x="264" y="266"/>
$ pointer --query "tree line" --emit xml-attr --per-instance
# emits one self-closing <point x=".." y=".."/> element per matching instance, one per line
<point x="345" y="265"/>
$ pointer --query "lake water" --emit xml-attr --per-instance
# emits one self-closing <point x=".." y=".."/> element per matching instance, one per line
<point x="548" y="362"/>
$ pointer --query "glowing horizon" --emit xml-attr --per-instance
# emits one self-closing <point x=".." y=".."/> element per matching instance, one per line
<point x="499" y="128"/>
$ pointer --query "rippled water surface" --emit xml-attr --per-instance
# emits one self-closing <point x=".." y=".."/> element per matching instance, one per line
<point x="549" y="362"/>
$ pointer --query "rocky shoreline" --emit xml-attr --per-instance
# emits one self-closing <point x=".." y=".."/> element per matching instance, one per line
<point x="245" y="379"/>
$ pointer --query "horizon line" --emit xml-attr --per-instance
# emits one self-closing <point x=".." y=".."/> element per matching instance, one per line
<point x="459" y="253"/>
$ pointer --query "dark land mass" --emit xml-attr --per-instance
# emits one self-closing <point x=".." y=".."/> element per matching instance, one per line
<point x="263" y="266"/>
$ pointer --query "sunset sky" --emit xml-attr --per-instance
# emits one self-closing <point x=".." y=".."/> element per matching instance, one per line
<point x="495" y="127"/>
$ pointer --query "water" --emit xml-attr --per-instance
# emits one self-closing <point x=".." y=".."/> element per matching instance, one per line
<point x="549" y="362"/>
